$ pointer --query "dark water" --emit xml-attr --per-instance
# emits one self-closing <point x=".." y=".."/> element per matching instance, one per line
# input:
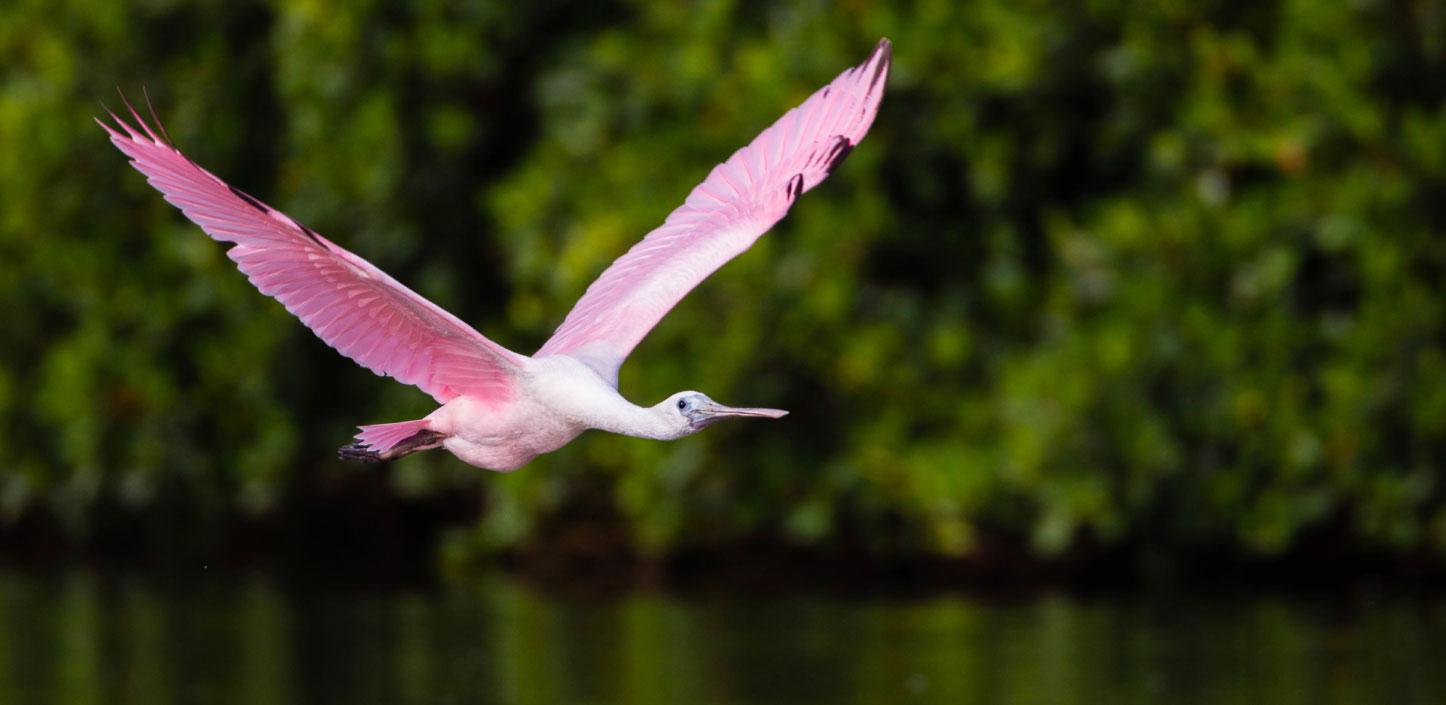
<point x="77" y="638"/>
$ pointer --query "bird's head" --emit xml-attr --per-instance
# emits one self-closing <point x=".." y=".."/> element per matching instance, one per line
<point x="688" y="412"/>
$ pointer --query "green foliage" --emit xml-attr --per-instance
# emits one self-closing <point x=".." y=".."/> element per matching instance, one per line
<point x="1161" y="275"/>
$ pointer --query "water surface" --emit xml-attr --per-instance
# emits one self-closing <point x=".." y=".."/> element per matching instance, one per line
<point x="77" y="638"/>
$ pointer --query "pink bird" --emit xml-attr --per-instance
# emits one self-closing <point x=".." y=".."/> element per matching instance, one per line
<point x="500" y="409"/>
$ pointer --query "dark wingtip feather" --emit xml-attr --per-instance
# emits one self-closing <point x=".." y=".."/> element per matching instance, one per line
<point x="882" y="56"/>
<point x="116" y="122"/>
<point x="795" y="187"/>
<point x="311" y="234"/>
<point x="137" y="116"/>
<point x="155" y="118"/>
<point x="837" y="152"/>
<point x="247" y="198"/>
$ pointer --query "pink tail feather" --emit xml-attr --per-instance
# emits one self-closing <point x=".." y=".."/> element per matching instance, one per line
<point x="383" y="437"/>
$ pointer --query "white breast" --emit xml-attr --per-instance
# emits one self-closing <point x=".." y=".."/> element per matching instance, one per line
<point x="558" y="399"/>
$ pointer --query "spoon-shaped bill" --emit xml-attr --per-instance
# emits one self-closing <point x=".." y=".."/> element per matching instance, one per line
<point x="713" y="411"/>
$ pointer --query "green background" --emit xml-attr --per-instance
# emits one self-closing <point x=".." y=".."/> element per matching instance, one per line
<point x="1146" y="280"/>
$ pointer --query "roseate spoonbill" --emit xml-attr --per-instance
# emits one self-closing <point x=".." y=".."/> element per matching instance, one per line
<point x="500" y="409"/>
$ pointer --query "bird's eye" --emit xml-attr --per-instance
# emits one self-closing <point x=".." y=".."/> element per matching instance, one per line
<point x="682" y="404"/>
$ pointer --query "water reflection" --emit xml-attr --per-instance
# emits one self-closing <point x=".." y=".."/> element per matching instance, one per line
<point x="78" y="639"/>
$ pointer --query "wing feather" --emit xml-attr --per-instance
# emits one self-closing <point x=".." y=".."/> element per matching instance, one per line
<point x="350" y="304"/>
<point x="723" y="216"/>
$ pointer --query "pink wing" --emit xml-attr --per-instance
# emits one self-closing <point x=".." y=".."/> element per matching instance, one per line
<point x="350" y="304"/>
<point x="741" y="199"/>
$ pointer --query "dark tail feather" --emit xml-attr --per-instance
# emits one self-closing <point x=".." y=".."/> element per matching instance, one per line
<point x="382" y="442"/>
<point x="358" y="453"/>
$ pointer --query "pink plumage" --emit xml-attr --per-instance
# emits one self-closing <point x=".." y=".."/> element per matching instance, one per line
<point x="353" y="306"/>
<point x="723" y="216"/>
<point x="385" y="436"/>
<point x="501" y="409"/>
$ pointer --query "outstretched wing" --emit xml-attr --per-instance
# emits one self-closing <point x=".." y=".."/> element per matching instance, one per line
<point x="741" y="199"/>
<point x="350" y="304"/>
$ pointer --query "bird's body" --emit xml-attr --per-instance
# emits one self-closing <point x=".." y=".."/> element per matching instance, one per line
<point x="559" y="398"/>
<point x="500" y="409"/>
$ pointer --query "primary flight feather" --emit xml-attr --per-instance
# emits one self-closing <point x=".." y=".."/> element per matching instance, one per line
<point x="500" y="409"/>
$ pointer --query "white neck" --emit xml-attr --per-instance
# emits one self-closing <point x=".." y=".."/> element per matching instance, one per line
<point x="629" y="419"/>
<point x="576" y="392"/>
